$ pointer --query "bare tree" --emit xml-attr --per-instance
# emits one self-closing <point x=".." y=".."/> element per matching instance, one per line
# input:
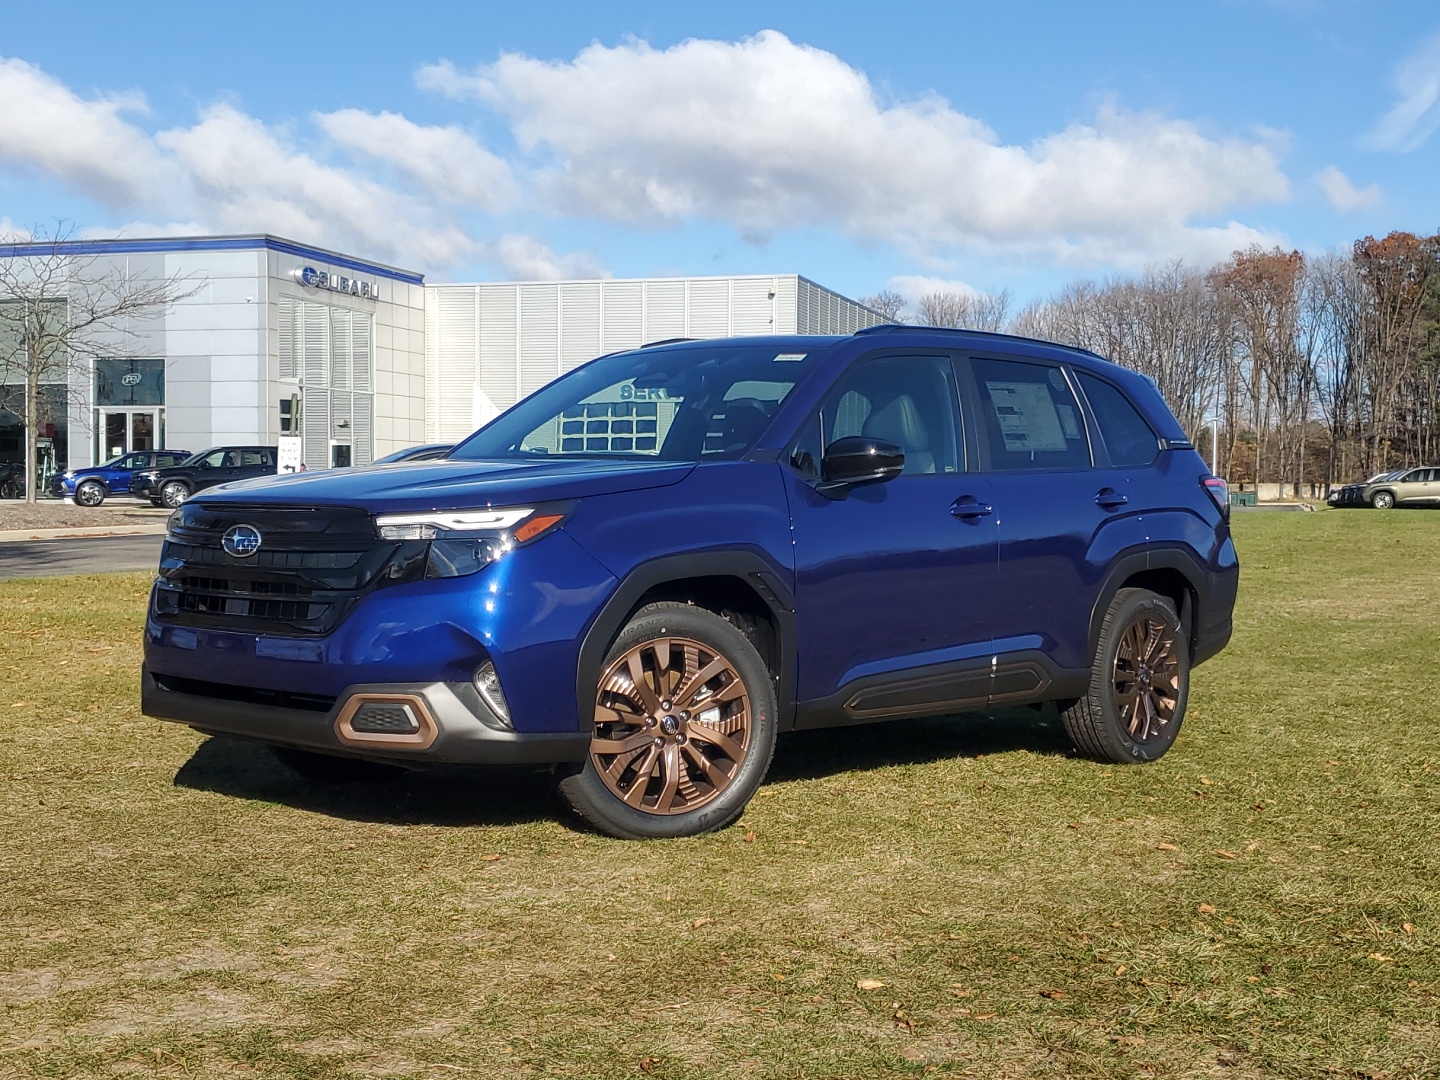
<point x="969" y="311"/>
<point x="887" y="303"/>
<point x="60" y="312"/>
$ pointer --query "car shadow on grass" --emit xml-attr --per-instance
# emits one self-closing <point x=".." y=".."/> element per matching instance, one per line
<point x="443" y="795"/>
<point x="468" y="796"/>
<point x="809" y="755"/>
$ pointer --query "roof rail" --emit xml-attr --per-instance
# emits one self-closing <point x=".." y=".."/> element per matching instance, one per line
<point x="910" y="328"/>
<point x="667" y="341"/>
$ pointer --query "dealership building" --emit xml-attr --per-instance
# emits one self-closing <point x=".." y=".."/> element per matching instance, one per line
<point x="272" y="338"/>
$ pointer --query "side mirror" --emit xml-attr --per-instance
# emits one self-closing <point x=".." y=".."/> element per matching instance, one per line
<point x="858" y="459"/>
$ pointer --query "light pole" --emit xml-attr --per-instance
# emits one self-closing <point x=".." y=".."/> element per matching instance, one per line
<point x="1214" y="424"/>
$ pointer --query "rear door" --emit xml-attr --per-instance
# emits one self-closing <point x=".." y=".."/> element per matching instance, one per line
<point x="895" y="581"/>
<point x="1060" y="519"/>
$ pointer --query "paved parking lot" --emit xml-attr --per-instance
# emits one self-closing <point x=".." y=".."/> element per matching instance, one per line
<point x="95" y="555"/>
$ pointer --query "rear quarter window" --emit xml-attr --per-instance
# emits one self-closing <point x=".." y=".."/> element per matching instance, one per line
<point x="1128" y="438"/>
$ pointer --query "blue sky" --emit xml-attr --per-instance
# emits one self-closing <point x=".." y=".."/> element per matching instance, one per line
<point x="910" y="146"/>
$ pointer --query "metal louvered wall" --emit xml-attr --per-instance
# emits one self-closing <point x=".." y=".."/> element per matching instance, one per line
<point x="488" y="345"/>
<point x="331" y="351"/>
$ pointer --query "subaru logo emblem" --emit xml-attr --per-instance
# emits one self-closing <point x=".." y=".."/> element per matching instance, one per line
<point x="241" y="541"/>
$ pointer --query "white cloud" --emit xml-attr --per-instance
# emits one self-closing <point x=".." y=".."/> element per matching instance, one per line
<point x="524" y="258"/>
<point x="913" y="286"/>
<point x="1344" y="196"/>
<point x="769" y="135"/>
<point x="87" y="145"/>
<point x="446" y="161"/>
<point x="245" y="179"/>
<point x="1416" y="113"/>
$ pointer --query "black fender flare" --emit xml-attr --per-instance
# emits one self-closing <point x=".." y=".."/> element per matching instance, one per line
<point x="746" y="567"/>
<point x="1181" y="560"/>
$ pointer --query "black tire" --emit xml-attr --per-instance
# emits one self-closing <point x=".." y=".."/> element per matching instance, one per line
<point x="734" y="717"/>
<point x="1102" y="724"/>
<point x="327" y="769"/>
<point x="90" y="493"/>
<point x="174" y="493"/>
<point x="1383" y="500"/>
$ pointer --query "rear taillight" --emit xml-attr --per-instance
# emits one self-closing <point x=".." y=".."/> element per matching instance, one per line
<point x="1219" y="493"/>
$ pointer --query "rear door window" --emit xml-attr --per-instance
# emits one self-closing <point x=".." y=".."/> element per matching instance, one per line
<point x="1027" y="417"/>
<point x="1129" y="440"/>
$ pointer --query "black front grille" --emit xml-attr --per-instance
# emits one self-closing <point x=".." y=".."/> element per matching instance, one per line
<point x="313" y="566"/>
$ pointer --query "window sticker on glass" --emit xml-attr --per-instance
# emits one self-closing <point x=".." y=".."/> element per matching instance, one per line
<point x="1068" y="422"/>
<point x="1027" y="416"/>
<point x="790" y="357"/>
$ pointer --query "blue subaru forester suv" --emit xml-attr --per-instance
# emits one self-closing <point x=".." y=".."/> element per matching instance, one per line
<point x="644" y="572"/>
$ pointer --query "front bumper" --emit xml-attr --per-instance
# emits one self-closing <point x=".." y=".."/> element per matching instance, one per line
<point x="455" y="724"/>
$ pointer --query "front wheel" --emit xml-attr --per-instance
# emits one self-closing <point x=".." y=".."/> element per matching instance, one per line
<point x="1139" y="682"/>
<point x="684" y="727"/>
<point x="90" y="493"/>
<point x="174" y="493"/>
<point x="1383" y="500"/>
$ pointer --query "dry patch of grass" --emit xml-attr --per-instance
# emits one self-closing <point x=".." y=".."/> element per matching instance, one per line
<point x="1262" y="902"/>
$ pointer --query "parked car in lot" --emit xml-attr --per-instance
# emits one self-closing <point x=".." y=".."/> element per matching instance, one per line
<point x="429" y="452"/>
<point x="171" y="486"/>
<point x="643" y="573"/>
<point x="1399" y="487"/>
<point x="91" y="486"/>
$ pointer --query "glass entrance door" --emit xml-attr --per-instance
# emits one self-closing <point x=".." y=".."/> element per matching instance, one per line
<point x="122" y="432"/>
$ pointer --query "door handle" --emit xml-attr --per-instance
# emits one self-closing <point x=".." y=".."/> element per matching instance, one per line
<point x="1110" y="499"/>
<point x="967" y="506"/>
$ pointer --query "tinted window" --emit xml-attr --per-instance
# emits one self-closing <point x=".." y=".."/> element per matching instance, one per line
<point x="252" y="457"/>
<point x="1028" y="417"/>
<point x="1128" y="438"/>
<point x="685" y="404"/>
<point x="905" y="400"/>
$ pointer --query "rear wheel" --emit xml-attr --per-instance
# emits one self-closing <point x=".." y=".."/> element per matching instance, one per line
<point x="684" y="727"/>
<point x="1139" y="682"/>
<point x="1383" y="500"/>
<point x="90" y="493"/>
<point x="328" y="769"/>
<point x="174" y="493"/>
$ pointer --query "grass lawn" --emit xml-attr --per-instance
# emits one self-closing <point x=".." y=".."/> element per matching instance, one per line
<point x="943" y="897"/>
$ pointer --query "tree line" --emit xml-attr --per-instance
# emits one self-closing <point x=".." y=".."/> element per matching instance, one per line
<point x="1308" y="371"/>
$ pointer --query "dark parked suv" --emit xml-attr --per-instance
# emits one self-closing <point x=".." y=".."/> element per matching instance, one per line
<point x="644" y="572"/>
<point x="218" y="465"/>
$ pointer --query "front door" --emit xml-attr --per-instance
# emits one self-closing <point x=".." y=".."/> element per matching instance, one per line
<point x="124" y="431"/>
<point x="894" y="581"/>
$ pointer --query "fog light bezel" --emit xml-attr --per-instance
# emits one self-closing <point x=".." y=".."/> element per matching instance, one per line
<point x="493" y="697"/>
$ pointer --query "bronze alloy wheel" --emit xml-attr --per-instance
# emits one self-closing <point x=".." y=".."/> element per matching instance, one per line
<point x="1147" y="677"/>
<point x="673" y="723"/>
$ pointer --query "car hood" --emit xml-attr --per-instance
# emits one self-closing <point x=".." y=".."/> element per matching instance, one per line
<point x="432" y="485"/>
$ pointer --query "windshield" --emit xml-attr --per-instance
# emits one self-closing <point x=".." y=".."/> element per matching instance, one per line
<point x="1384" y="476"/>
<point x="687" y="404"/>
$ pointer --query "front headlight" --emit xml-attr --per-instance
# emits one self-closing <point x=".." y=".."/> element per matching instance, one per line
<point x="448" y="524"/>
<point x="463" y="542"/>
